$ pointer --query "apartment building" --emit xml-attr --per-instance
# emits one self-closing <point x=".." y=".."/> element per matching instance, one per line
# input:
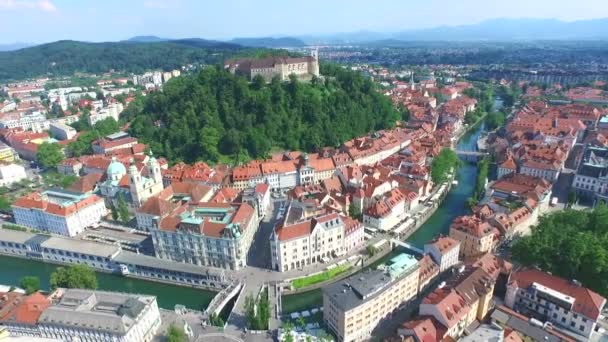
<point x="476" y="236"/>
<point x="591" y="178"/>
<point x="305" y="241"/>
<point x="387" y="211"/>
<point x="207" y="234"/>
<point x="59" y="211"/>
<point x="444" y="251"/>
<point x="565" y="304"/>
<point x="354" y="306"/>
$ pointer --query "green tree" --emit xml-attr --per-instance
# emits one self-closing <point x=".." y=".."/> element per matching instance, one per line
<point x="300" y="322"/>
<point x="446" y="162"/>
<point x="287" y="329"/>
<point x="114" y="211"/>
<point x="5" y="203"/>
<point x="257" y="311"/>
<point x="219" y="117"/>
<point x="572" y="198"/>
<point x="123" y="209"/>
<point x="471" y="203"/>
<point x="30" y="284"/>
<point x="371" y="250"/>
<point x="74" y="277"/>
<point x="354" y="212"/>
<point x="49" y="155"/>
<point x="175" y="334"/>
<point x="570" y="244"/>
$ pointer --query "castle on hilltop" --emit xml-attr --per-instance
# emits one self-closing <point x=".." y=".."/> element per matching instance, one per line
<point x="276" y="66"/>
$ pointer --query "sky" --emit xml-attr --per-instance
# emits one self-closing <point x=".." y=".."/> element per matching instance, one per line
<point x="38" y="21"/>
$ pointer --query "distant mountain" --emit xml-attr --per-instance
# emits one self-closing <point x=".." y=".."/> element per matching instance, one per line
<point x="269" y="42"/>
<point x="514" y="29"/>
<point x="67" y="57"/>
<point x="14" y="46"/>
<point x="490" y="30"/>
<point x="146" y="39"/>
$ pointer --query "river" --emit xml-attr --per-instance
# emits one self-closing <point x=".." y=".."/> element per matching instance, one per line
<point x="13" y="269"/>
<point x="452" y="207"/>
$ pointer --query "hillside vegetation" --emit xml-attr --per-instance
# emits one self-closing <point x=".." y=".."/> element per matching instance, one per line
<point x="216" y="116"/>
<point x="67" y="57"/>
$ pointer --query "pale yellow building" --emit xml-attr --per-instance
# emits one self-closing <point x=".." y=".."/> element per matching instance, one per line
<point x="353" y="307"/>
<point x="7" y="154"/>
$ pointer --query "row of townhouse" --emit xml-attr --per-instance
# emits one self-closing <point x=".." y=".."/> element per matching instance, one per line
<point x="511" y="201"/>
<point x="465" y="297"/>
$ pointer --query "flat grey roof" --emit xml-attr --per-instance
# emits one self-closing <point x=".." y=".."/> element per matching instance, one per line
<point x="524" y="327"/>
<point x="126" y="257"/>
<point x="111" y="312"/>
<point x="80" y="246"/>
<point x="114" y="234"/>
<point x="357" y="289"/>
<point x="15" y="236"/>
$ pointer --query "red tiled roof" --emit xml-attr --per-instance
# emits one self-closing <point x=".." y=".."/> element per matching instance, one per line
<point x="426" y="329"/>
<point x="18" y="308"/>
<point x="35" y="201"/>
<point x="444" y="244"/>
<point x="86" y="183"/>
<point x="586" y="302"/>
<point x="450" y="305"/>
<point x="294" y="231"/>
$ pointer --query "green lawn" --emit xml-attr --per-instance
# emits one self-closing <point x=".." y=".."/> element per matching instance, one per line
<point x="320" y="277"/>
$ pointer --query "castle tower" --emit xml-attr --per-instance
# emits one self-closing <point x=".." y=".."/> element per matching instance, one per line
<point x="313" y="67"/>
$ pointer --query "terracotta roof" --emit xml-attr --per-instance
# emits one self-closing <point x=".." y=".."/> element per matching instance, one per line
<point x="586" y="302"/>
<point x="428" y="268"/>
<point x="277" y="167"/>
<point x="332" y="184"/>
<point x="449" y="304"/>
<point x="261" y="188"/>
<point x="512" y="336"/>
<point x="295" y="230"/>
<point x="18" y="308"/>
<point x="444" y="244"/>
<point x="509" y="164"/>
<point x="86" y="183"/>
<point x="35" y="201"/>
<point x="246" y="172"/>
<point x="472" y="225"/>
<point x="225" y="195"/>
<point x="322" y="164"/>
<point x="426" y="329"/>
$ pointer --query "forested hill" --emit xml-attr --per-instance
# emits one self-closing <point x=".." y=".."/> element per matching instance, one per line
<point x="216" y="116"/>
<point x="68" y="57"/>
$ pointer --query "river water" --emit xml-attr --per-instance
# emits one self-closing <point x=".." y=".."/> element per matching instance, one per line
<point x="452" y="207"/>
<point x="13" y="269"/>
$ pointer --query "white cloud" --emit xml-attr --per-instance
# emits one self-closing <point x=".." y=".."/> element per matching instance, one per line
<point x="42" y="5"/>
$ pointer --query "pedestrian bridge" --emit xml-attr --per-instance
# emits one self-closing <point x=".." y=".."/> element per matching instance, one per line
<point x="407" y="245"/>
<point x="471" y="156"/>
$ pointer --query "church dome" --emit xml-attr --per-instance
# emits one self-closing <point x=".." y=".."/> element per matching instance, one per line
<point x="116" y="168"/>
